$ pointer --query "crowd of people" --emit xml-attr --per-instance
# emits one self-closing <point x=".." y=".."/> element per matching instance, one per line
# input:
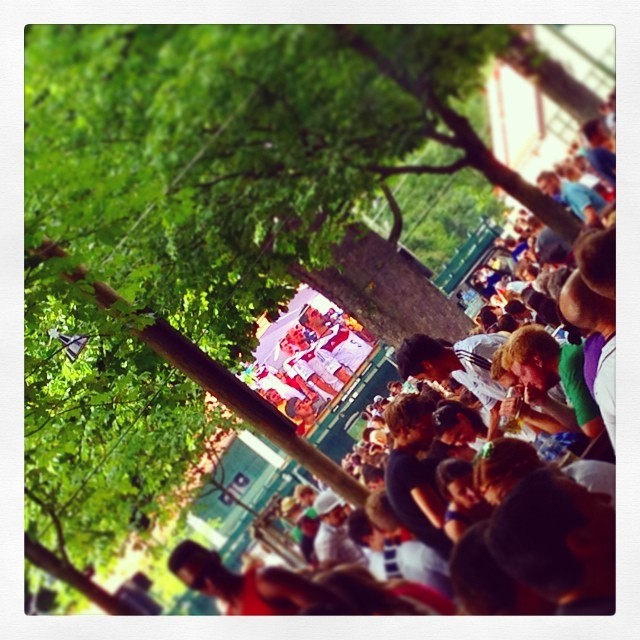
<point x="490" y="463"/>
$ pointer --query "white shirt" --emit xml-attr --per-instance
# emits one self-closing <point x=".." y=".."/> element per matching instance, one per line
<point x="594" y="475"/>
<point x="332" y="544"/>
<point x="475" y="354"/>
<point x="604" y="387"/>
<point x="416" y="563"/>
<point x="340" y="346"/>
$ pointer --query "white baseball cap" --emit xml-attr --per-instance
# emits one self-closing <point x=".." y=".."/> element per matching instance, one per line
<point x="326" y="501"/>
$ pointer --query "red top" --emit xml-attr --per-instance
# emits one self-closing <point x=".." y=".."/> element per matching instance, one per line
<point x="439" y="604"/>
<point x="251" y="603"/>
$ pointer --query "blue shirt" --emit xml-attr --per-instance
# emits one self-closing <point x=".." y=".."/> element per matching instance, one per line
<point x="578" y="197"/>
<point x="604" y="163"/>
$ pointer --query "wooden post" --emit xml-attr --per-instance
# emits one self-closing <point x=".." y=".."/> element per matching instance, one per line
<point x="42" y="558"/>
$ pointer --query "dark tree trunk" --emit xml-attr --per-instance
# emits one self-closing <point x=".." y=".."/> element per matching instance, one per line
<point x="42" y="558"/>
<point x="476" y="152"/>
<point x="482" y="159"/>
<point x="384" y="291"/>
<point x="580" y="102"/>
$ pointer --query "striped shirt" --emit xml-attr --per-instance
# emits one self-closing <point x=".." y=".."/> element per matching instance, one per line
<point x="475" y="354"/>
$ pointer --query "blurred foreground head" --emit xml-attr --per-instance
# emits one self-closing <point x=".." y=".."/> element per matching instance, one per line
<point x="554" y="536"/>
<point x="481" y="587"/>
<point x="595" y="253"/>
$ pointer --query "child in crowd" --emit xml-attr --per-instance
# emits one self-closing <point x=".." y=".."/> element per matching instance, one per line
<point x="455" y="480"/>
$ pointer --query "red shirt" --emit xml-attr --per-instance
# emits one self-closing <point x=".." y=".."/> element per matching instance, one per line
<point x="439" y="604"/>
<point x="251" y="603"/>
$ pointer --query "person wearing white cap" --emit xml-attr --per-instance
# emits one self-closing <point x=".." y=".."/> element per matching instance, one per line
<point x="332" y="543"/>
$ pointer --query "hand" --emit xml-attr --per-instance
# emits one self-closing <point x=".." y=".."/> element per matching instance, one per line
<point x="510" y="407"/>
<point x="534" y="396"/>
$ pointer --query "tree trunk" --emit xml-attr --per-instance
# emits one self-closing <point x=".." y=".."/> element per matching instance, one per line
<point x="477" y="154"/>
<point x="42" y="558"/>
<point x="184" y="355"/>
<point x="580" y="102"/>
<point x="386" y="292"/>
<point x="481" y="158"/>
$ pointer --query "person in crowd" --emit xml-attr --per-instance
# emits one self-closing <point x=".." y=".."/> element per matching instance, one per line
<point x="550" y="249"/>
<point x="375" y="436"/>
<point x="506" y="324"/>
<point x="505" y="461"/>
<point x="596" y="315"/>
<point x="482" y="588"/>
<point x="361" y="594"/>
<point x="518" y="310"/>
<point x="391" y="557"/>
<point x="544" y="307"/>
<point x="468" y="361"/>
<point x="554" y="282"/>
<point x="284" y="386"/>
<point x="599" y="153"/>
<point x="352" y="324"/>
<point x="499" y="373"/>
<point x="586" y="203"/>
<point x="257" y="592"/>
<point x="457" y="425"/>
<point x="540" y="363"/>
<point x="595" y="253"/>
<point x="531" y="420"/>
<point x="335" y="344"/>
<point x="395" y="388"/>
<point x="466" y="506"/>
<point x="302" y="412"/>
<point x="290" y="509"/>
<point x="554" y="536"/>
<point x="309" y="370"/>
<point x="487" y="317"/>
<point x="273" y="397"/>
<point x="410" y="479"/>
<point x="305" y="494"/>
<point x="309" y="529"/>
<point x="501" y="465"/>
<point x="526" y="271"/>
<point x="332" y="544"/>
<point x="373" y="477"/>
<point x="373" y="454"/>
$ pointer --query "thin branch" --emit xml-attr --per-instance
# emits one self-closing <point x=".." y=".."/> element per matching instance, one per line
<point x="430" y="132"/>
<point x="418" y="169"/>
<point x="396" y="231"/>
<point x="56" y="523"/>
<point x="365" y="49"/>
<point x="278" y="170"/>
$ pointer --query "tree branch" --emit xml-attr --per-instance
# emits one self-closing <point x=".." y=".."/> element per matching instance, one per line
<point x="396" y="231"/>
<point x="418" y="169"/>
<point x="430" y="132"/>
<point x="367" y="50"/>
<point x="251" y="175"/>
<point x="56" y="523"/>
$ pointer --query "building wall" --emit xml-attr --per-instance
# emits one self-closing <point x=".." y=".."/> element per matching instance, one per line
<point x="529" y="132"/>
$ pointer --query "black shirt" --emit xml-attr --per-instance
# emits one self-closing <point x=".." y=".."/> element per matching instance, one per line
<point x="405" y="472"/>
